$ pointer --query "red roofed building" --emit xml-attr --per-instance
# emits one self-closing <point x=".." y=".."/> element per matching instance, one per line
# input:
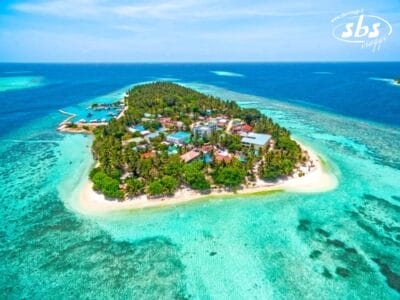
<point x="223" y="156"/>
<point x="166" y="122"/>
<point x="206" y="148"/>
<point x="247" y="128"/>
<point x="191" y="155"/>
<point x="148" y="154"/>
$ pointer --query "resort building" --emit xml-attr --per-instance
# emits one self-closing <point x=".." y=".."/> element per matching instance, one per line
<point x="223" y="156"/>
<point x="236" y="122"/>
<point x="148" y="115"/>
<point x="258" y="140"/>
<point x="166" y="122"/>
<point x="136" y="128"/>
<point x="222" y="122"/>
<point x="207" y="148"/>
<point x="237" y="126"/>
<point x="145" y="132"/>
<point x="247" y="128"/>
<point x="140" y="147"/>
<point x="191" y="155"/>
<point x="204" y="129"/>
<point x="148" y="154"/>
<point x="152" y="135"/>
<point x="136" y="140"/>
<point x="180" y="138"/>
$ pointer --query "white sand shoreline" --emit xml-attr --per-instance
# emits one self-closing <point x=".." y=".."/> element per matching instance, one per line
<point x="316" y="180"/>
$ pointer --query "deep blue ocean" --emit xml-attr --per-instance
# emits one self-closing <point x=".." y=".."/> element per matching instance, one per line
<point x="355" y="90"/>
<point x="339" y="244"/>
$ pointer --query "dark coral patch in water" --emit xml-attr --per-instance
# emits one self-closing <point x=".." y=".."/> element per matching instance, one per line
<point x="315" y="254"/>
<point x="383" y="202"/>
<point x="342" y="272"/>
<point x="304" y="225"/>
<point x="336" y="243"/>
<point x="351" y="250"/>
<point x="323" y="232"/>
<point x="326" y="273"/>
<point x="213" y="253"/>
<point x="392" y="278"/>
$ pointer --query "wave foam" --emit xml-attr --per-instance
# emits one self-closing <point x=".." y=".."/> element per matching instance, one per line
<point x="226" y="73"/>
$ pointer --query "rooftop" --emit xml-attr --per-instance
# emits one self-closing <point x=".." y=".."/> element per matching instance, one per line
<point x="136" y="140"/>
<point x="153" y="135"/>
<point x="148" y="154"/>
<point x="247" y="128"/>
<point x="180" y="135"/>
<point x="189" y="156"/>
<point x="259" y="139"/>
<point x="223" y="156"/>
<point x="136" y="128"/>
<point x="145" y="132"/>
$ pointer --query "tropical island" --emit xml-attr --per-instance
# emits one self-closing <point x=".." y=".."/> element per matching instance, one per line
<point x="174" y="143"/>
<point x="397" y="81"/>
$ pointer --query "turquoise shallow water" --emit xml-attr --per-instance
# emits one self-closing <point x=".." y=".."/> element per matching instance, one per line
<point x="20" y="82"/>
<point x="340" y="244"/>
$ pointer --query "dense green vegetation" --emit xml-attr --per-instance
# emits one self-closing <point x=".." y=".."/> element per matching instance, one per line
<point x="193" y="176"/>
<point x="108" y="185"/>
<point x="231" y="175"/>
<point x="151" y="169"/>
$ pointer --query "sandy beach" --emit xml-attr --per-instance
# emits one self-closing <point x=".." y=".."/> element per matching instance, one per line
<point x="315" y="180"/>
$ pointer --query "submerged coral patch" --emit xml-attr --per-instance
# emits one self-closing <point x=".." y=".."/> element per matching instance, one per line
<point x="392" y="278"/>
<point x="342" y="272"/>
